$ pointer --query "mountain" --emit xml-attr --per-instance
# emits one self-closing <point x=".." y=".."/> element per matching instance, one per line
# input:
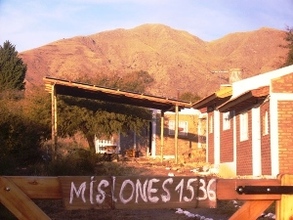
<point x="178" y="61"/>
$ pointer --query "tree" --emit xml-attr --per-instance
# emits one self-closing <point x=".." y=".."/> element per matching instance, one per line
<point x="12" y="69"/>
<point x="21" y="137"/>
<point x="189" y="97"/>
<point x="289" y="39"/>
<point x="103" y="119"/>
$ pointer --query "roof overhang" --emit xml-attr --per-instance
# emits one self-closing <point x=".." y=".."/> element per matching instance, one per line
<point x="245" y="100"/>
<point x="214" y="99"/>
<point x="89" y="91"/>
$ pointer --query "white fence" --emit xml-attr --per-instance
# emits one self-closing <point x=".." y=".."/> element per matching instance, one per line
<point x="105" y="146"/>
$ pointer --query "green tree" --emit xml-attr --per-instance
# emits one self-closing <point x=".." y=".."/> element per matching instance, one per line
<point x="20" y="137"/>
<point x="103" y="119"/>
<point x="137" y="81"/>
<point x="189" y="97"/>
<point x="289" y="39"/>
<point x="12" y="69"/>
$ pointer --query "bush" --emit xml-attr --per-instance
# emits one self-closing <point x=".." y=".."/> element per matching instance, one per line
<point x="20" y="140"/>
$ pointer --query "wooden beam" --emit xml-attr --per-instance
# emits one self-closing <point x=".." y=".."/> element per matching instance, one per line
<point x="284" y="207"/>
<point x="162" y="136"/>
<point x="37" y="187"/>
<point x="226" y="189"/>
<point x="251" y="210"/>
<point x="176" y="133"/>
<point x="14" y="199"/>
<point x="54" y="121"/>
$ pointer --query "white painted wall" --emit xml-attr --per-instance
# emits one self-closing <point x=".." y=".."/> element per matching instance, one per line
<point x="242" y="86"/>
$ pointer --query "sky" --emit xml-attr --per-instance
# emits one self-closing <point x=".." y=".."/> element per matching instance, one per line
<point x="29" y="24"/>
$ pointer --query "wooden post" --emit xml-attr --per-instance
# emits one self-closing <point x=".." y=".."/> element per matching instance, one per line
<point x="251" y="210"/>
<point x="176" y="133"/>
<point x="54" y="121"/>
<point x="284" y="207"/>
<point x="14" y="199"/>
<point x="162" y="136"/>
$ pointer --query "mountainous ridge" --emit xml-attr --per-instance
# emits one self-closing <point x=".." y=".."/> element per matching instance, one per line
<point x="178" y="61"/>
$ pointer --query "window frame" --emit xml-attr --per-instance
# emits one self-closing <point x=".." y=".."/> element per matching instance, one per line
<point x="243" y="126"/>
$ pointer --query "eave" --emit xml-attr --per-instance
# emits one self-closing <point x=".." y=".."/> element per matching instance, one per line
<point x="245" y="100"/>
<point x="214" y="99"/>
<point x="89" y="91"/>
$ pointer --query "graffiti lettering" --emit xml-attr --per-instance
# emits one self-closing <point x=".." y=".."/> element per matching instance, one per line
<point x="96" y="190"/>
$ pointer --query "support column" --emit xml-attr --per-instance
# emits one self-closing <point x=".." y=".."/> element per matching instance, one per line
<point x="176" y="133"/>
<point x="54" y="122"/>
<point x="162" y="136"/>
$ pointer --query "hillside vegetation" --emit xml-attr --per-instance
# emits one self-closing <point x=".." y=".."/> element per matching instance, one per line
<point x="178" y="61"/>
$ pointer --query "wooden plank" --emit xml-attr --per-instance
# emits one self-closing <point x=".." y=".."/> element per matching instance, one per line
<point x="37" y="187"/>
<point x="163" y="192"/>
<point x="226" y="189"/>
<point x="15" y="200"/>
<point x="85" y="192"/>
<point x="284" y="207"/>
<point x="138" y="192"/>
<point x="251" y="210"/>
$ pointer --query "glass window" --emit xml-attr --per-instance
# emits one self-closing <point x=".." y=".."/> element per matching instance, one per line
<point x="243" y="126"/>
<point x="227" y="120"/>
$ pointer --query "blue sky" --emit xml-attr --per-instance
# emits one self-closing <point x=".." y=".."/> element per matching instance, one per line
<point x="32" y="23"/>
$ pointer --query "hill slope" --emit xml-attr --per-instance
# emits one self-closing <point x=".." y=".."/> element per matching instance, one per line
<point x="176" y="59"/>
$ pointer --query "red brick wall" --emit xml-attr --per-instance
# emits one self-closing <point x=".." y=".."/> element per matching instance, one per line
<point x="226" y="142"/>
<point x="283" y="84"/>
<point x="244" y="149"/>
<point x="285" y="124"/>
<point x="265" y="141"/>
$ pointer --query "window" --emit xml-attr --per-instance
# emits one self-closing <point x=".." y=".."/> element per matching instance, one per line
<point x="227" y="120"/>
<point x="243" y="126"/>
<point x="211" y="124"/>
<point x="265" y="122"/>
<point x="183" y="128"/>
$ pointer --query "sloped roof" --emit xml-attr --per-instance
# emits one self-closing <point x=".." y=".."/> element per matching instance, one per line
<point x="245" y="100"/>
<point x="214" y="99"/>
<point x="89" y="91"/>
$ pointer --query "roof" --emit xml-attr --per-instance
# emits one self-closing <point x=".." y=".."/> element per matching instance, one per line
<point x="260" y="80"/>
<point x="245" y="100"/>
<point x="90" y="91"/>
<point x="214" y="99"/>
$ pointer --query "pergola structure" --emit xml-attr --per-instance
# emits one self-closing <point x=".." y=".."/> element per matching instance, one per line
<point x="57" y="86"/>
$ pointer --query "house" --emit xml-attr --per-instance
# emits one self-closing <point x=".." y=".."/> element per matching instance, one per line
<point x="150" y="141"/>
<point x="250" y="125"/>
<point x="191" y="136"/>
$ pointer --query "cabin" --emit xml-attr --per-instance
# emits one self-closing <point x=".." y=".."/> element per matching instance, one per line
<point x="191" y="136"/>
<point x="250" y="125"/>
<point x="150" y="143"/>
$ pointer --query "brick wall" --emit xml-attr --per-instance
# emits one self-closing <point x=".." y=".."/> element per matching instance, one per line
<point x="244" y="149"/>
<point x="188" y="150"/>
<point x="226" y="142"/>
<point x="283" y="84"/>
<point x="285" y="124"/>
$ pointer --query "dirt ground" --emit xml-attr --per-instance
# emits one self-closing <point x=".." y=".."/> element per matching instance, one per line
<point x="55" y="209"/>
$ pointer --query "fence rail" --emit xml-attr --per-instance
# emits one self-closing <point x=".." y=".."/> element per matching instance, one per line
<point x="140" y="192"/>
